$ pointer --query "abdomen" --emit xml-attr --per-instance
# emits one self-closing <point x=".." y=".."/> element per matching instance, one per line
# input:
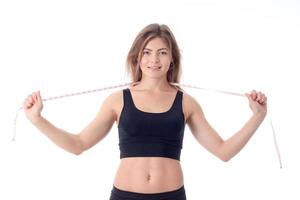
<point x="149" y="174"/>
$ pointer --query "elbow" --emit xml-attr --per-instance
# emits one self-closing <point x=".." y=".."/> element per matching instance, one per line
<point x="223" y="153"/>
<point x="224" y="158"/>
<point x="78" y="152"/>
<point x="79" y="148"/>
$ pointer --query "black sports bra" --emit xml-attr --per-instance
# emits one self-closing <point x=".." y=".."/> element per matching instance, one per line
<point x="145" y="134"/>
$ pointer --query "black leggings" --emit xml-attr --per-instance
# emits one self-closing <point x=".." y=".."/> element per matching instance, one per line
<point x="117" y="194"/>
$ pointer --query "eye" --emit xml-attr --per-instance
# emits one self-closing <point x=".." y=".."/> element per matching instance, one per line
<point x="146" y="52"/>
<point x="163" y="53"/>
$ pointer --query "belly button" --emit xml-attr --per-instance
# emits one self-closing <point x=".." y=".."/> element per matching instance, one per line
<point x="148" y="178"/>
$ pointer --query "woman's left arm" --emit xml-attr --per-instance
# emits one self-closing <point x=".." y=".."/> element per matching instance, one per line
<point x="258" y="105"/>
<point x="211" y="140"/>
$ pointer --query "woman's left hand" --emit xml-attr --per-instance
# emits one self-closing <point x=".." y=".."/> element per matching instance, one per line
<point x="257" y="102"/>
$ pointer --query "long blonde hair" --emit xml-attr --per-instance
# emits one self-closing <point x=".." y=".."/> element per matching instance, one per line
<point x="135" y="53"/>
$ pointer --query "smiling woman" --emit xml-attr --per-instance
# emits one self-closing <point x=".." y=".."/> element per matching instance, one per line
<point x="151" y="116"/>
<point x="156" y="57"/>
<point x="162" y="51"/>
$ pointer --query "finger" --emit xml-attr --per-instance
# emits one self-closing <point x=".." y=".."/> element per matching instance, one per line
<point x="39" y="96"/>
<point x="248" y="96"/>
<point x="32" y="99"/>
<point x="29" y="99"/>
<point x="25" y="105"/>
<point x="259" y="96"/>
<point x="34" y="96"/>
<point x="28" y="102"/>
<point x="262" y="99"/>
<point x="265" y="100"/>
<point x="253" y="95"/>
<point x="28" y="105"/>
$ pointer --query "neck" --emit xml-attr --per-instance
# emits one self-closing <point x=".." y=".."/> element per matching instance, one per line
<point x="155" y="85"/>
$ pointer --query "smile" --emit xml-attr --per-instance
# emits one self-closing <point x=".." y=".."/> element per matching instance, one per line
<point x="154" y="68"/>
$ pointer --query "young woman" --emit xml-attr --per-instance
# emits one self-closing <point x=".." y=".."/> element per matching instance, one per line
<point x="151" y="115"/>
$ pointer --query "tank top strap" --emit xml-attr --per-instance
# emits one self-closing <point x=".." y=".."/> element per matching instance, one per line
<point x="128" y="102"/>
<point x="178" y="101"/>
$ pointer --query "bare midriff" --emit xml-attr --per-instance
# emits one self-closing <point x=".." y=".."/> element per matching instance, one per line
<point x="149" y="175"/>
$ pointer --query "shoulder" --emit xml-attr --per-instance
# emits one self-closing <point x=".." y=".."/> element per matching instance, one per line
<point x="112" y="101"/>
<point x="190" y="105"/>
<point x="115" y="101"/>
<point x="115" y="97"/>
<point x="188" y="99"/>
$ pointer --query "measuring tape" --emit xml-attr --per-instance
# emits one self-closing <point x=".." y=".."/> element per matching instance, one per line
<point x="134" y="83"/>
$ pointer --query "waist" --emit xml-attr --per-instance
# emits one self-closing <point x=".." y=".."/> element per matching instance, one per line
<point x="149" y="174"/>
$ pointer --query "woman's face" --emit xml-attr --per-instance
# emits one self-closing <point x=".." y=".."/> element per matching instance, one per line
<point x="156" y="58"/>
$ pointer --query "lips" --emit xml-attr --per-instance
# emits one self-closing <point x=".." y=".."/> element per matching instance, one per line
<point x="154" y="67"/>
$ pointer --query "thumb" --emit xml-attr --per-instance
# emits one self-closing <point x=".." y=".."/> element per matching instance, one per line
<point x="39" y="98"/>
<point x="247" y="95"/>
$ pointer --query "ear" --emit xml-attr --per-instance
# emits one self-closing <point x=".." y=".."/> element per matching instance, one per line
<point x="172" y="63"/>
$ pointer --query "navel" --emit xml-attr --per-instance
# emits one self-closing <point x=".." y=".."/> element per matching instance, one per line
<point x="148" y="177"/>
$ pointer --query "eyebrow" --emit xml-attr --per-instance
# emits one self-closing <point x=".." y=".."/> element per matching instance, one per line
<point x="157" y="50"/>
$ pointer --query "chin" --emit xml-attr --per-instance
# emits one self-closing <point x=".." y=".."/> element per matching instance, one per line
<point x="151" y="75"/>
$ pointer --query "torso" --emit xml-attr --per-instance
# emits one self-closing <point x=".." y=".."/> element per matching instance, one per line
<point x="149" y="174"/>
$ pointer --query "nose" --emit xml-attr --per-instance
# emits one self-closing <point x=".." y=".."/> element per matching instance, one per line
<point x="155" y="58"/>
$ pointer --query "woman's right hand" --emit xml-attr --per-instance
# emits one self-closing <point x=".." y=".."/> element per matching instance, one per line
<point x="33" y="106"/>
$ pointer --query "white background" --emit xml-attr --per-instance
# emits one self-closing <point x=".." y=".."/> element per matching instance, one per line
<point x="63" y="46"/>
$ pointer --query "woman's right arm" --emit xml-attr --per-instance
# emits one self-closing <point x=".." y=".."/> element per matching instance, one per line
<point x="72" y="143"/>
